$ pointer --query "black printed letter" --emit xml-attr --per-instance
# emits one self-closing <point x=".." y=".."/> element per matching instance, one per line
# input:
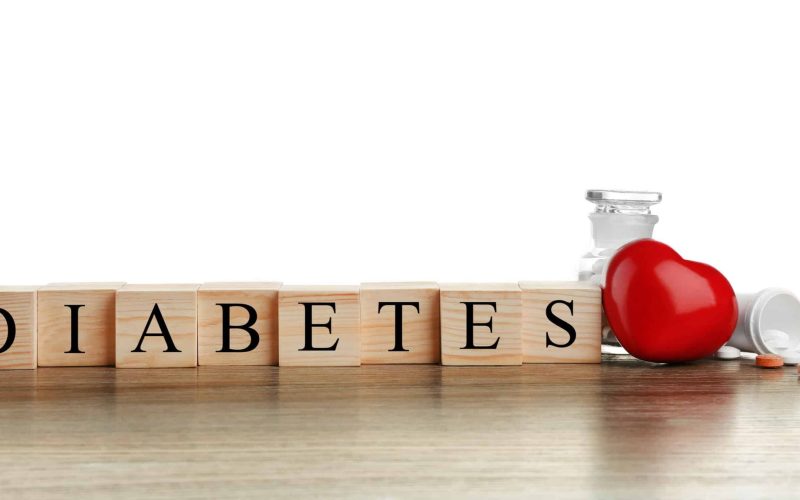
<point x="162" y="325"/>
<point x="471" y="325"/>
<point x="73" y="346"/>
<point x="560" y="322"/>
<point x="12" y="330"/>
<point x="309" y="325"/>
<point x="398" y="321"/>
<point x="227" y="327"/>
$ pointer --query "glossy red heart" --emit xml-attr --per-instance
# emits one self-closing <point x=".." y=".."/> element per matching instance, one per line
<point x="666" y="309"/>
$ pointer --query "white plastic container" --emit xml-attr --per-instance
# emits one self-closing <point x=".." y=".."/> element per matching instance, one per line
<point x="769" y="322"/>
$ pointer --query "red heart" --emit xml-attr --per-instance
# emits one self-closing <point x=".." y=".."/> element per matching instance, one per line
<point x="666" y="309"/>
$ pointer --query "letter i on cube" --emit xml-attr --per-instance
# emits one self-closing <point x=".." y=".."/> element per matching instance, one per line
<point x="76" y="324"/>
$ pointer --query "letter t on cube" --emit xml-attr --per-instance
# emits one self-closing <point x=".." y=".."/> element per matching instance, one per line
<point x="399" y="323"/>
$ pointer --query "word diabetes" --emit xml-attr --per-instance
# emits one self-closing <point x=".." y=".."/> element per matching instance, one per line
<point x="150" y="326"/>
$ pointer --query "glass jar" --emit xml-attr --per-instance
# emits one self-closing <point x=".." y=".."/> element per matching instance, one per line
<point x="619" y="218"/>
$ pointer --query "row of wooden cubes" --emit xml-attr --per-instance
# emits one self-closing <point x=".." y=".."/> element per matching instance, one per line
<point x="148" y="326"/>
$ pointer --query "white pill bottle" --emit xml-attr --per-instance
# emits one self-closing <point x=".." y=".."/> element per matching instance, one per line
<point x="769" y="323"/>
<point x="619" y="218"/>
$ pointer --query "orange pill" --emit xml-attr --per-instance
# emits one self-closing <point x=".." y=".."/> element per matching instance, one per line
<point x="769" y="361"/>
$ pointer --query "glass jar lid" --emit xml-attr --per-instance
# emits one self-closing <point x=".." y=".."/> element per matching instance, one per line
<point x="626" y="202"/>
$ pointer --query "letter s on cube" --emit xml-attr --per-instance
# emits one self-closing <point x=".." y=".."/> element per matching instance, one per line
<point x="561" y="322"/>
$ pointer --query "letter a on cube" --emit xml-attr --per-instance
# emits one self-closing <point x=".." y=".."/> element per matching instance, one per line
<point x="157" y="326"/>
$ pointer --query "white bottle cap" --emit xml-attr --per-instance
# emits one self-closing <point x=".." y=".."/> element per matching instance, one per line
<point x="769" y="322"/>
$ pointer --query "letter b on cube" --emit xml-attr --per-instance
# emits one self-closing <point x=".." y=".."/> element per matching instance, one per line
<point x="237" y="324"/>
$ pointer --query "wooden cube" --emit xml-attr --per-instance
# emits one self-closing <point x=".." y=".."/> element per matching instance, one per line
<point x="319" y="326"/>
<point x="76" y="324"/>
<point x="237" y="324"/>
<point x="400" y="323"/>
<point x="561" y="322"/>
<point x="156" y="326"/>
<point x="17" y="327"/>
<point x="481" y="324"/>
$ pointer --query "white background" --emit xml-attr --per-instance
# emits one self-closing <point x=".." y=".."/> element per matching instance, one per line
<point x="339" y="141"/>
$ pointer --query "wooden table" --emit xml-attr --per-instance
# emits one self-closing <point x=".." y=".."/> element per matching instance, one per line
<point x="623" y="428"/>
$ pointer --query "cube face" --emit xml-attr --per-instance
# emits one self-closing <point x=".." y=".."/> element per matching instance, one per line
<point x="417" y="333"/>
<point x="311" y="333"/>
<point x="18" y="317"/>
<point x="248" y="308"/>
<point x="76" y="324"/>
<point x="145" y="314"/>
<point x="466" y="310"/>
<point x="561" y="322"/>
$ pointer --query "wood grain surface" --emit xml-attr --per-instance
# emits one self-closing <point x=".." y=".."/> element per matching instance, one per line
<point x="344" y="330"/>
<point x="136" y="315"/>
<point x="263" y="298"/>
<point x="506" y="321"/>
<point x="420" y="325"/>
<point x="96" y="324"/>
<point x="584" y="314"/>
<point x="613" y="430"/>
<point x="19" y="302"/>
